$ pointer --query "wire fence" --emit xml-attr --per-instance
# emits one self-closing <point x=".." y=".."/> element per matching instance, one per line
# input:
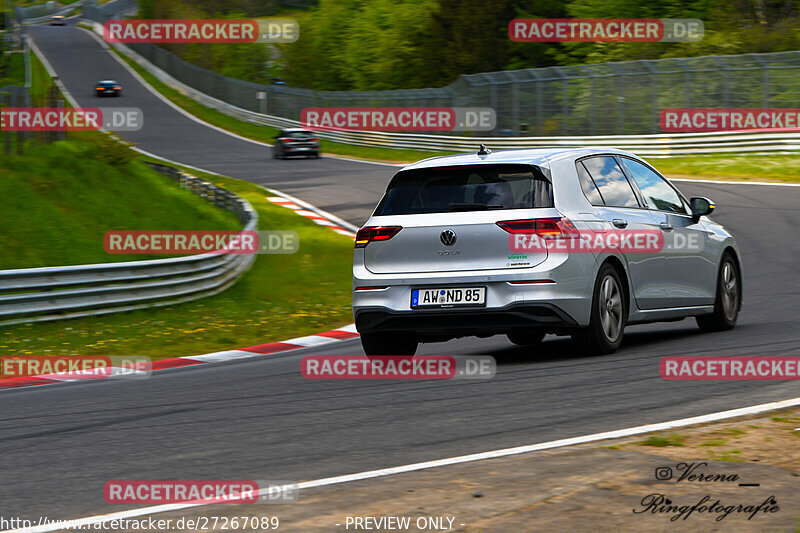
<point x="16" y="96"/>
<point x="623" y="98"/>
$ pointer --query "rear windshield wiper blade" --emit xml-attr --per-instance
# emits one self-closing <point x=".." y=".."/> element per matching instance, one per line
<point x="473" y="207"/>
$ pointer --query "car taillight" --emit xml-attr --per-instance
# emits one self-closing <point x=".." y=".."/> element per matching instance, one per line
<point x="370" y="234"/>
<point x="285" y="139"/>
<point x="118" y="88"/>
<point x="543" y="227"/>
<point x="313" y="139"/>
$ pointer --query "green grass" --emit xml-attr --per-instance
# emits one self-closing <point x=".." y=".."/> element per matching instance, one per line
<point x="662" y="441"/>
<point x="12" y="69"/>
<point x="61" y="198"/>
<point x="730" y="456"/>
<point x="714" y="442"/>
<point x="41" y="82"/>
<point x="735" y="431"/>
<point x="778" y="167"/>
<point x="280" y="297"/>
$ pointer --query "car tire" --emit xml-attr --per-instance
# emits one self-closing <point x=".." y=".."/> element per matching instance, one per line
<point x="276" y="154"/>
<point x="389" y="343"/>
<point x="608" y="317"/>
<point x="728" y="300"/>
<point x="526" y="337"/>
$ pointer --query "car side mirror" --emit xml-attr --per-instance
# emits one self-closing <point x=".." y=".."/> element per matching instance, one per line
<point x="700" y="207"/>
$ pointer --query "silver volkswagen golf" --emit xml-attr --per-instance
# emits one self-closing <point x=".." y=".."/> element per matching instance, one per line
<point x="566" y="241"/>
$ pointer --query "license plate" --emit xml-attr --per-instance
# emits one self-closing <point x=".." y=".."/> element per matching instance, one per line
<point x="448" y="297"/>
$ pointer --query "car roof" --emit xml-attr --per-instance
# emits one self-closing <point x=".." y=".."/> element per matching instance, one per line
<point x="529" y="156"/>
<point x="290" y="130"/>
<point x="107" y="81"/>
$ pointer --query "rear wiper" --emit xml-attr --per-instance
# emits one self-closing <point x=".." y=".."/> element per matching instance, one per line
<point x="473" y="207"/>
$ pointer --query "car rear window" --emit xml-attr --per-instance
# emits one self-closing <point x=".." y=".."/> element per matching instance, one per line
<point x="466" y="188"/>
<point x="298" y="134"/>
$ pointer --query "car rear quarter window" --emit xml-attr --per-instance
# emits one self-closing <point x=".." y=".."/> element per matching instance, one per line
<point x="588" y="185"/>
<point x="466" y="188"/>
<point x="657" y="193"/>
<point x="611" y="181"/>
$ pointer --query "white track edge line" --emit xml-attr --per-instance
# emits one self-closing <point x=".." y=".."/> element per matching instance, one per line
<point x="620" y="433"/>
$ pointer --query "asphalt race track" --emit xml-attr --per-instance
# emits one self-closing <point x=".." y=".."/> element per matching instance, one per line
<point x="259" y="419"/>
<point x="346" y="188"/>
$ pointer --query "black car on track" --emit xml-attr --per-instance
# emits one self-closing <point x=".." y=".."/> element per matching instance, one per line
<point x="295" y="142"/>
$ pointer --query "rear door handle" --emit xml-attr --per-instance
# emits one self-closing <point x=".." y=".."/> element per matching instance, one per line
<point x="618" y="222"/>
<point x="666" y="226"/>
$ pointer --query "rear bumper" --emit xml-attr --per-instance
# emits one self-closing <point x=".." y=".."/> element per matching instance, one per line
<point x="462" y="322"/>
<point x="564" y="303"/>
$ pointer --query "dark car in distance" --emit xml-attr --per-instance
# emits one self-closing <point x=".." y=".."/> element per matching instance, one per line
<point x="295" y="142"/>
<point x="108" y="88"/>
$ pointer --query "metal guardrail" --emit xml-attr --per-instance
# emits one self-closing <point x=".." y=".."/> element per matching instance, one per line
<point x="54" y="293"/>
<point x="646" y="145"/>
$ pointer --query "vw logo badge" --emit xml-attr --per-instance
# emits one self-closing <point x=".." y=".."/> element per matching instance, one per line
<point x="448" y="237"/>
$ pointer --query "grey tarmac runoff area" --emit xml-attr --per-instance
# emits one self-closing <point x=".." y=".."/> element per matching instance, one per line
<point x="259" y="419"/>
